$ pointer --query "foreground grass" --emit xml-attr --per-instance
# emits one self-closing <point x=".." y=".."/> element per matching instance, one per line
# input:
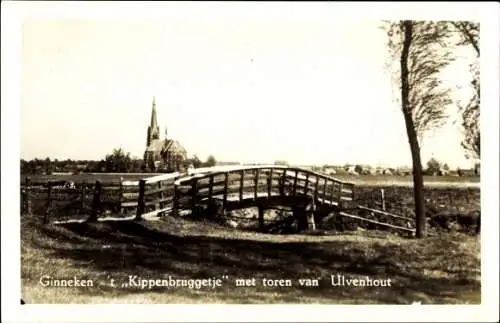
<point x="437" y="270"/>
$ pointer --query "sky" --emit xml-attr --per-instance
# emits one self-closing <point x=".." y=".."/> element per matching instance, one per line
<point x="304" y="88"/>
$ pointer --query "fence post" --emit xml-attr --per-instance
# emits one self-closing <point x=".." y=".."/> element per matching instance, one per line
<point x="122" y="191"/>
<point x="48" y="205"/>
<point x="383" y="199"/>
<point x="27" y="197"/>
<point x="194" y="195"/>
<point x="141" y="201"/>
<point x="210" y="187"/>
<point x="82" y="197"/>
<point x="175" y="206"/>
<point x="224" y="198"/>
<point x="162" y="196"/>
<point x="96" y="202"/>
<point x="242" y="183"/>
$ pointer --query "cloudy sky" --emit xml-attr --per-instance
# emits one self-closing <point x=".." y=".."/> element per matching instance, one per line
<point x="247" y="85"/>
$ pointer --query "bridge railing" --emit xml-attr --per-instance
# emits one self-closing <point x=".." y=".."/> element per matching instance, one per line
<point x="253" y="182"/>
<point x="156" y="195"/>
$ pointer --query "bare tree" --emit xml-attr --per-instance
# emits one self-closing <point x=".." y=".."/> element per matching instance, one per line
<point x="419" y="52"/>
<point x="468" y="32"/>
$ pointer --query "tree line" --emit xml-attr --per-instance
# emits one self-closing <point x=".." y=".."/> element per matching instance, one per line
<point x="118" y="161"/>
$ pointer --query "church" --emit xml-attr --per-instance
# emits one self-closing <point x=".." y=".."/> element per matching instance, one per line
<point x="163" y="155"/>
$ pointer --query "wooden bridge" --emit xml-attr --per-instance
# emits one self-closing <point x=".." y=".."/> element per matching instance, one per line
<point x="215" y="190"/>
<point x="219" y="189"/>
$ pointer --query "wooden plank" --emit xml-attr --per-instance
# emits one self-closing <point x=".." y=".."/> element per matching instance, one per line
<point x="375" y="222"/>
<point x="129" y="204"/>
<point x="163" y="177"/>
<point x="159" y="189"/>
<point x="134" y="195"/>
<point x="155" y="212"/>
<point x="167" y="199"/>
<point x="130" y="183"/>
<point x="385" y="213"/>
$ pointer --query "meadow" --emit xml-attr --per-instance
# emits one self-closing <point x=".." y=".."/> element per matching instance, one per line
<point x="443" y="268"/>
<point x="361" y="180"/>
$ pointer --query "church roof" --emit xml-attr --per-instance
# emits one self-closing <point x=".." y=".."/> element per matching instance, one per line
<point x="174" y="146"/>
<point x="156" y="145"/>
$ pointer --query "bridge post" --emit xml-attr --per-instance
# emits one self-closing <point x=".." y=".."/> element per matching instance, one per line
<point x="295" y="182"/>
<point x="261" y="218"/>
<point x="310" y="210"/>
<point x="324" y="189"/>
<point x="270" y="183"/>
<point x="299" y="213"/>
<point x="316" y="187"/>
<point x="282" y="182"/>
<point x="256" y="184"/>
<point x="339" y="197"/>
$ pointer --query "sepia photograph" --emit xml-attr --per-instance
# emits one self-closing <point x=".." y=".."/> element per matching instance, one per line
<point x="250" y="153"/>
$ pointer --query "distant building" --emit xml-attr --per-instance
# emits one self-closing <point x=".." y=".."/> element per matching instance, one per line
<point x="163" y="155"/>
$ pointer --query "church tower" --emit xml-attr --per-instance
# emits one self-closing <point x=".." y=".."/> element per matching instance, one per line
<point x="153" y="129"/>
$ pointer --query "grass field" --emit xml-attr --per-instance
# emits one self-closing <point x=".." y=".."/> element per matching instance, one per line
<point x="362" y="180"/>
<point x="443" y="269"/>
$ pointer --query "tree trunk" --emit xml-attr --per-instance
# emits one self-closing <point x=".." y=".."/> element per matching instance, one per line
<point x="418" y="180"/>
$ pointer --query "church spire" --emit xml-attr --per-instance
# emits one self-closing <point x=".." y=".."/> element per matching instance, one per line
<point x="154" y="122"/>
<point x="153" y="129"/>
